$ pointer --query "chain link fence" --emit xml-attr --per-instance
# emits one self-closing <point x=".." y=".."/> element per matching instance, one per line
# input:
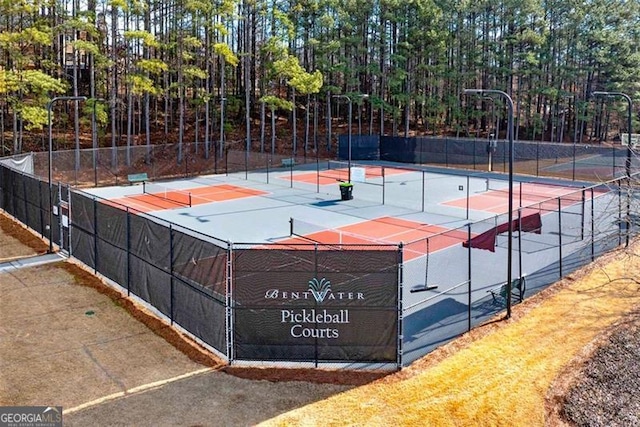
<point x="387" y="305"/>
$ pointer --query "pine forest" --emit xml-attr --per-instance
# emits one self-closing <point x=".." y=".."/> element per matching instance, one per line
<point x="284" y="75"/>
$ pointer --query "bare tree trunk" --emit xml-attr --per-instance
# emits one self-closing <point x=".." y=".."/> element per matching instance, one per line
<point x="306" y="125"/>
<point x="328" y="121"/>
<point x="262" y="126"/>
<point x="273" y="131"/>
<point x="295" y="122"/>
<point x="114" y="86"/>
<point x="145" y="112"/>
<point x="222" y="100"/>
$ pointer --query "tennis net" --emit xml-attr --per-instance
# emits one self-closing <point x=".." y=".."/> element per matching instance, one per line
<point x="372" y="171"/>
<point x="536" y="191"/>
<point x="176" y="196"/>
<point x="331" y="236"/>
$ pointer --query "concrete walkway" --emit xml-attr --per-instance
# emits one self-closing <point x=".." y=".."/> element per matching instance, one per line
<point x="31" y="261"/>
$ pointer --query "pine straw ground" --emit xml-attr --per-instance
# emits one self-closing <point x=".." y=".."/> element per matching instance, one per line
<point x="568" y="353"/>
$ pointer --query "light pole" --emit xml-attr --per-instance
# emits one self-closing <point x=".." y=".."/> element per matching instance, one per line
<point x="49" y="107"/>
<point x="350" y="101"/>
<point x="628" y="161"/>
<point x="485" y="92"/>
<point x="222" y="101"/>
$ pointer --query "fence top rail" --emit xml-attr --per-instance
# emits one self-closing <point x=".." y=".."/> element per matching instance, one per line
<point x="311" y="245"/>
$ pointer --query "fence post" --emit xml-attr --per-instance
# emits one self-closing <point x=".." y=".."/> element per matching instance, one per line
<point x="560" y="235"/>
<point x="383" y="184"/>
<point x="61" y="242"/>
<point x="228" y="302"/>
<point x="39" y="207"/>
<point x="468" y="275"/>
<point x="128" y="252"/>
<point x="171" y="289"/>
<point x="315" y="274"/>
<point x="424" y="184"/>
<point x="95" y="236"/>
<point x="467" y="217"/>
<point x="582" y="214"/>
<point x="537" y="158"/>
<point x="24" y="195"/>
<point x="446" y="152"/>
<point x="593" y="248"/>
<point x="619" y="213"/>
<point x="268" y="158"/>
<point x="520" y="242"/>
<point x="473" y="148"/>
<point x="400" y="306"/>
<point x="69" y="227"/>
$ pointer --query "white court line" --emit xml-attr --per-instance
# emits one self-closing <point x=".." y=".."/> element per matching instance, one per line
<point x="134" y="390"/>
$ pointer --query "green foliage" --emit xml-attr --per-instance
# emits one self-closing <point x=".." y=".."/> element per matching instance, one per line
<point x="34" y="117"/>
<point x="138" y="7"/>
<point x="195" y="72"/>
<point x="101" y="110"/>
<point x="9" y="82"/>
<point x="194" y="6"/>
<point x="153" y="66"/>
<point x="118" y="4"/>
<point x="307" y="83"/>
<point x="192" y="42"/>
<point x="85" y="46"/>
<point x="29" y="36"/>
<point x="141" y="84"/>
<point x="225" y="51"/>
<point x="147" y="38"/>
<point x="39" y="83"/>
<point x="288" y="67"/>
<point x="79" y="24"/>
<point x="284" y="23"/>
<point x="297" y="77"/>
<point x="277" y="103"/>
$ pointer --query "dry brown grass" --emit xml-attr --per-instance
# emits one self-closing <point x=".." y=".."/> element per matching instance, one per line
<point x="499" y="374"/>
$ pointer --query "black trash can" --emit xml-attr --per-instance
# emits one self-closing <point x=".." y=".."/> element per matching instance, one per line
<point x="346" y="191"/>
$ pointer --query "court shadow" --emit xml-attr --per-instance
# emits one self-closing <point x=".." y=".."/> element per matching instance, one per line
<point x="325" y="203"/>
<point x="443" y="313"/>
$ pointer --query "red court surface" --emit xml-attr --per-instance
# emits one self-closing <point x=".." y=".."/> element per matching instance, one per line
<point x="536" y="196"/>
<point x="176" y="199"/>
<point x="330" y="176"/>
<point x="418" y="239"/>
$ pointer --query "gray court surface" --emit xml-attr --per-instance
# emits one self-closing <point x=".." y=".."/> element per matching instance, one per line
<point x="459" y="277"/>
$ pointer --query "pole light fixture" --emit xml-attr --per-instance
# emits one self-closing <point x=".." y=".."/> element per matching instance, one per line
<point x="350" y="101"/>
<point x="629" y="154"/>
<point x="495" y="92"/>
<point x="49" y="108"/>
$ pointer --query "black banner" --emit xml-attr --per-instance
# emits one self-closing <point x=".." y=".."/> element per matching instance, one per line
<point x="306" y="305"/>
